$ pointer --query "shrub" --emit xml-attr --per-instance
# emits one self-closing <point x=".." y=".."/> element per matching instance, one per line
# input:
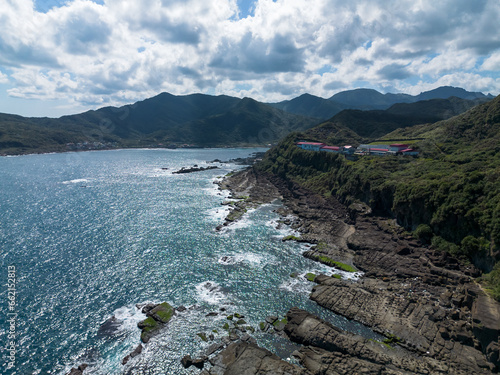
<point x="424" y="233"/>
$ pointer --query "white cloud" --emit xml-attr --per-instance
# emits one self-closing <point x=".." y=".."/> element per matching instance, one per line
<point x="125" y="50"/>
<point x="492" y="63"/>
<point x="3" y="78"/>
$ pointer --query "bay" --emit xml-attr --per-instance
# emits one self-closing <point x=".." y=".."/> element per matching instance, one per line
<point x="93" y="234"/>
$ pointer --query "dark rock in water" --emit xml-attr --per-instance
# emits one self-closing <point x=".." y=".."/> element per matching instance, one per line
<point x="135" y="353"/>
<point x="148" y="307"/>
<point x="194" y="169"/>
<point x="162" y="313"/>
<point x="79" y="370"/>
<point x="181" y="308"/>
<point x="156" y="319"/>
<point x="271" y="319"/>
<point x="199" y="362"/>
<point x="109" y="327"/>
<point x="212" y="314"/>
<point x="186" y="361"/>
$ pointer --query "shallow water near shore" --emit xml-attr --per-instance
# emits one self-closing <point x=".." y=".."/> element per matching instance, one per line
<point x="93" y="234"/>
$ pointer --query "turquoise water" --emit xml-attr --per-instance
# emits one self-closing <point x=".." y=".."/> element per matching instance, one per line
<point x="93" y="234"/>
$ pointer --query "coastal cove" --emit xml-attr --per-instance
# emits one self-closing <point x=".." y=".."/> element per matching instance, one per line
<point x="94" y="234"/>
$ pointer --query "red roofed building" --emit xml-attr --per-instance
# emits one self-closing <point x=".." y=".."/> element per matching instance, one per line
<point x="409" y="151"/>
<point x="331" y="149"/>
<point x="397" y="147"/>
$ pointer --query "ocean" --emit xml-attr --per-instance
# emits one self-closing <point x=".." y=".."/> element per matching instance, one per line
<point x="91" y="235"/>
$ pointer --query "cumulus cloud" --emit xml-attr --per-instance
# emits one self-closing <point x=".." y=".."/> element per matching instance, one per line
<point x="118" y="51"/>
<point x="3" y="78"/>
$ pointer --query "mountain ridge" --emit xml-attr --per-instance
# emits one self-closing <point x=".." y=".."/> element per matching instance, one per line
<point x="368" y="99"/>
<point x="167" y="119"/>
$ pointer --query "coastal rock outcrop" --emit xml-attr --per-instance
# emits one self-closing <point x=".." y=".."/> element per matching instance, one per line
<point x="78" y="370"/>
<point x="422" y="300"/>
<point x="378" y="357"/>
<point x="157" y="317"/>
<point x="194" y="169"/>
<point x="244" y="358"/>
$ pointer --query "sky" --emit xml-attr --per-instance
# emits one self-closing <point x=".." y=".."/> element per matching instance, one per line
<point x="61" y="57"/>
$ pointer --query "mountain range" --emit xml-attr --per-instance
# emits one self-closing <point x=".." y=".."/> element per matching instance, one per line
<point x="368" y="99"/>
<point x="217" y="121"/>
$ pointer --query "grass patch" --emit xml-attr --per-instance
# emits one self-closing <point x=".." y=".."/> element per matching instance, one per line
<point x="291" y="238"/>
<point x="283" y="321"/>
<point x="333" y="263"/>
<point x="382" y="343"/>
<point x="164" y="312"/>
<point x="202" y="336"/>
<point x="337" y="276"/>
<point x="310" y="276"/>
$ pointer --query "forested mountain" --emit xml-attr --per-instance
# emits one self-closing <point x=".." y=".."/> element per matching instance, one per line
<point x="205" y="120"/>
<point x="199" y="120"/>
<point x="368" y="99"/>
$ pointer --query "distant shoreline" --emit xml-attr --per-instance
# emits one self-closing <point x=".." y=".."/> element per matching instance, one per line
<point x="130" y="148"/>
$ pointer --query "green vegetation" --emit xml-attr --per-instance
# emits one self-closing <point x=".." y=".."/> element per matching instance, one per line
<point x="449" y="196"/>
<point x="388" y="346"/>
<point x="202" y="336"/>
<point x="236" y="214"/>
<point x="163" y="120"/>
<point x="291" y="238"/>
<point x="392" y="339"/>
<point x="310" y="276"/>
<point x="424" y="233"/>
<point x="148" y="326"/>
<point x="337" y="276"/>
<point x="278" y="322"/>
<point x="164" y="312"/>
<point x="492" y="281"/>
<point x="333" y="263"/>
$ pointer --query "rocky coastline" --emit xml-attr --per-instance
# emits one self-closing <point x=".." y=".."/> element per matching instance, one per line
<point x="194" y="168"/>
<point x="435" y="318"/>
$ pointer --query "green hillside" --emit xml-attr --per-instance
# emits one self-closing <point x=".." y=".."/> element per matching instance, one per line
<point x="449" y="196"/>
<point x="199" y="120"/>
<point x="377" y="123"/>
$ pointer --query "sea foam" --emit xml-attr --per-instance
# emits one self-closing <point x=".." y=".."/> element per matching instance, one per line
<point x="76" y="181"/>
<point x="211" y="292"/>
